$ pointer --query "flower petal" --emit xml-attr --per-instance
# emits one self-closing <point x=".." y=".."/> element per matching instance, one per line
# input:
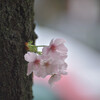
<point x="62" y="49"/>
<point x="54" y="78"/>
<point x="51" y="41"/>
<point x="59" y="41"/>
<point x="30" y="56"/>
<point x="45" y="50"/>
<point x="63" y="69"/>
<point x="40" y="73"/>
<point x="30" y="68"/>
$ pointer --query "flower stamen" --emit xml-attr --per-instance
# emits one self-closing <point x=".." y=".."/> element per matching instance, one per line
<point x="53" y="48"/>
<point x="37" y="62"/>
<point x="46" y="64"/>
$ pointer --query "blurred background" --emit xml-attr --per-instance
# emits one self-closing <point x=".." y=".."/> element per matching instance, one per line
<point x="78" y="22"/>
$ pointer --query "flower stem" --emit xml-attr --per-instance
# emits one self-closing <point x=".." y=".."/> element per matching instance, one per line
<point x="38" y="45"/>
<point x="41" y="46"/>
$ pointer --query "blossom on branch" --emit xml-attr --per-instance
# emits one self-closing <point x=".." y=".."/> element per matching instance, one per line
<point x="51" y="61"/>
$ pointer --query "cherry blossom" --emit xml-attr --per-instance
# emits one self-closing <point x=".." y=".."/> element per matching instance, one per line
<point x="56" y="49"/>
<point x="34" y="62"/>
<point x="50" y="65"/>
<point x="51" y="61"/>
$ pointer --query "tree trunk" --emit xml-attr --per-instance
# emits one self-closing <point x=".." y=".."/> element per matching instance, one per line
<point x="16" y="28"/>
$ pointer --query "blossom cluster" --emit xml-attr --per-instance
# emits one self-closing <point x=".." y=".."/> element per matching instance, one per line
<point x="51" y="61"/>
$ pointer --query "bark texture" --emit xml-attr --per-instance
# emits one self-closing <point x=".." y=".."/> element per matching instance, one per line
<point x="16" y="28"/>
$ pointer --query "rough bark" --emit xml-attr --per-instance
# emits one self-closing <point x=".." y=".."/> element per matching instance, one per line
<point x="16" y="28"/>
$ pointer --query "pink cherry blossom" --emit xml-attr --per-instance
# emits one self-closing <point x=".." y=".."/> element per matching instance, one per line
<point x="50" y="65"/>
<point x="34" y="62"/>
<point x="54" y="78"/>
<point x="40" y="72"/>
<point x="56" y="48"/>
<point x="51" y="62"/>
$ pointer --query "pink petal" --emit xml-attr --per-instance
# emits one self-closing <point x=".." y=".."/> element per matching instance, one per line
<point x="51" y="42"/>
<point x="30" y="68"/>
<point x="40" y="73"/>
<point x="63" y="72"/>
<point x="63" y="56"/>
<point x="54" y="55"/>
<point x="51" y="69"/>
<point x="62" y="49"/>
<point x="59" y="41"/>
<point x="63" y="69"/>
<point x="36" y="67"/>
<point x="45" y="50"/>
<point x="54" y="78"/>
<point x="30" y="56"/>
